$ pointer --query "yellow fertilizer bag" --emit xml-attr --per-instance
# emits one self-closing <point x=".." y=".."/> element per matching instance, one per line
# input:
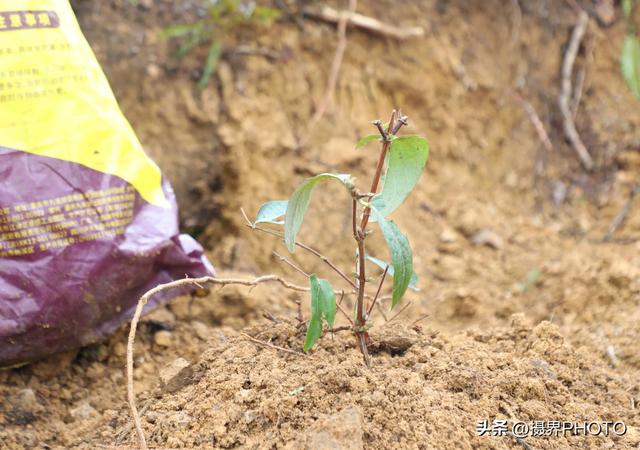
<point x="87" y="222"/>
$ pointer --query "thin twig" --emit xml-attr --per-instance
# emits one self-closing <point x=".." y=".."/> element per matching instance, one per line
<point x="566" y="90"/>
<point x="171" y="285"/>
<point x="535" y="120"/>
<point x="382" y="313"/>
<point x="622" y="215"/>
<point x="290" y="264"/>
<point x="342" y="328"/>
<point x="267" y="315"/>
<point x="282" y="258"/>
<point x="270" y="345"/>
<point x="304" y="247"/>
<point x="330" y="15"/>
<point x="406" y="305"/>
<point x="343" y="19"/>
<point x="419" y="319"/>
<point x="299" y="315"/>
<point x="260" y="51"/>
<point x="375" y="298"/>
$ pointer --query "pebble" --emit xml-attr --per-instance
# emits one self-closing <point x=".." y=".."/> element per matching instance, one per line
<point x="181" y="418"/>
<point x="489" y="238"/>
<point x="162" y="317"/>
<point x="201" y="329"/>
<point x="176" y="375"/>
<point x="163" y="338"/>
<point x="83" y="411"/>
<point x="25" y="400"/>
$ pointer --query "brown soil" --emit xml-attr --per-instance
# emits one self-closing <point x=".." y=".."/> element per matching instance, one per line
<point x="539" y="322"/>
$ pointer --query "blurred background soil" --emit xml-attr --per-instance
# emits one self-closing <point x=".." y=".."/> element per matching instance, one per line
<point x="530" y="314"/>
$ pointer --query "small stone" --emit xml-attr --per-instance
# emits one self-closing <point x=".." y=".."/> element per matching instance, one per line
<point x="394" y="339"/>
<point x="161" y="318"/>
<point x="489" y="238"/>
<point x="448" y="236"/>
<point x="559" y="193"/>
<point x="120" y="349"/>
<point x="249" y="417"/>
<point x="511" y="180"/>
<point x="153" y="71"/>
<point x="95" y="371"/>
<point x="176" y="375"/>
<point x="467" y="223"/>
<point x="83" y="412"/>
<point x="26" y="402"/>
<point x="163" y="338"/>
<point x="181" y="418"/>
<point x="201" y="329"/>
<point x="244" y="396"/>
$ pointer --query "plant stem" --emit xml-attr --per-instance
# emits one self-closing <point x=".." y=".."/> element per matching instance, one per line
<point x="360" y="234"/>
<point x="362" y="280"/>
<point x="394" y="126"/>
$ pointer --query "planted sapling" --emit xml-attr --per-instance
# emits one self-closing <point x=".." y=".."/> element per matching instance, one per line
<point x="400" y="164"/>
<point x="401" y="161"/>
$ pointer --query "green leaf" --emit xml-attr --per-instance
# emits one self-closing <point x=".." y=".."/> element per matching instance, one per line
<point x="270" y="212"/>
<point x="210" y="64"/>
<point x="298" y="204"/>
<point x="180" y="30"/>
<point x="627" y="7"/>
<point x="413" y="284"/>
<point x="401" y="256"/>
<point x="630" y="63"/>
<point x="406" y="160"/>
<point x="266" y="14"/>
<point x="365" y="140"/>
<point x="323" y="307"/>
<point x="314" y="330"/>
<point x="188" y="45"/>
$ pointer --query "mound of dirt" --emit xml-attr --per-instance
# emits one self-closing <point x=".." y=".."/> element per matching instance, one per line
<point x="423" y="391"/>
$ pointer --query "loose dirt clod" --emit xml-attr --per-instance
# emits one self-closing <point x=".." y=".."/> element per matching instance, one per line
<point x="176" y="375"/>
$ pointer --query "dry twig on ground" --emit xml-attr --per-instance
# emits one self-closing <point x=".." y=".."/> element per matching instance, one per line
<point x="622" y="215"/>
<point x="270" y="345"/>
<point x="343" y="19"/>
<point x="535" y="120"/>
<point x="566" y="91"/>
<point x="330" y="15"/>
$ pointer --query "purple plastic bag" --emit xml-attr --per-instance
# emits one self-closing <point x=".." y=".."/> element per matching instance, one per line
<point x="72" y="295"/>
<point x="87" y="222"/>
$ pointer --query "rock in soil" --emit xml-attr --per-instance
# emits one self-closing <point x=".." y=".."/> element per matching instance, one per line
<point x="176" y="375"/>
<point x="163" y="338"/>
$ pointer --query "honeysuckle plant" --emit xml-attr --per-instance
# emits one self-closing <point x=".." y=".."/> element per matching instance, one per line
<point x="400" y="164"/>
